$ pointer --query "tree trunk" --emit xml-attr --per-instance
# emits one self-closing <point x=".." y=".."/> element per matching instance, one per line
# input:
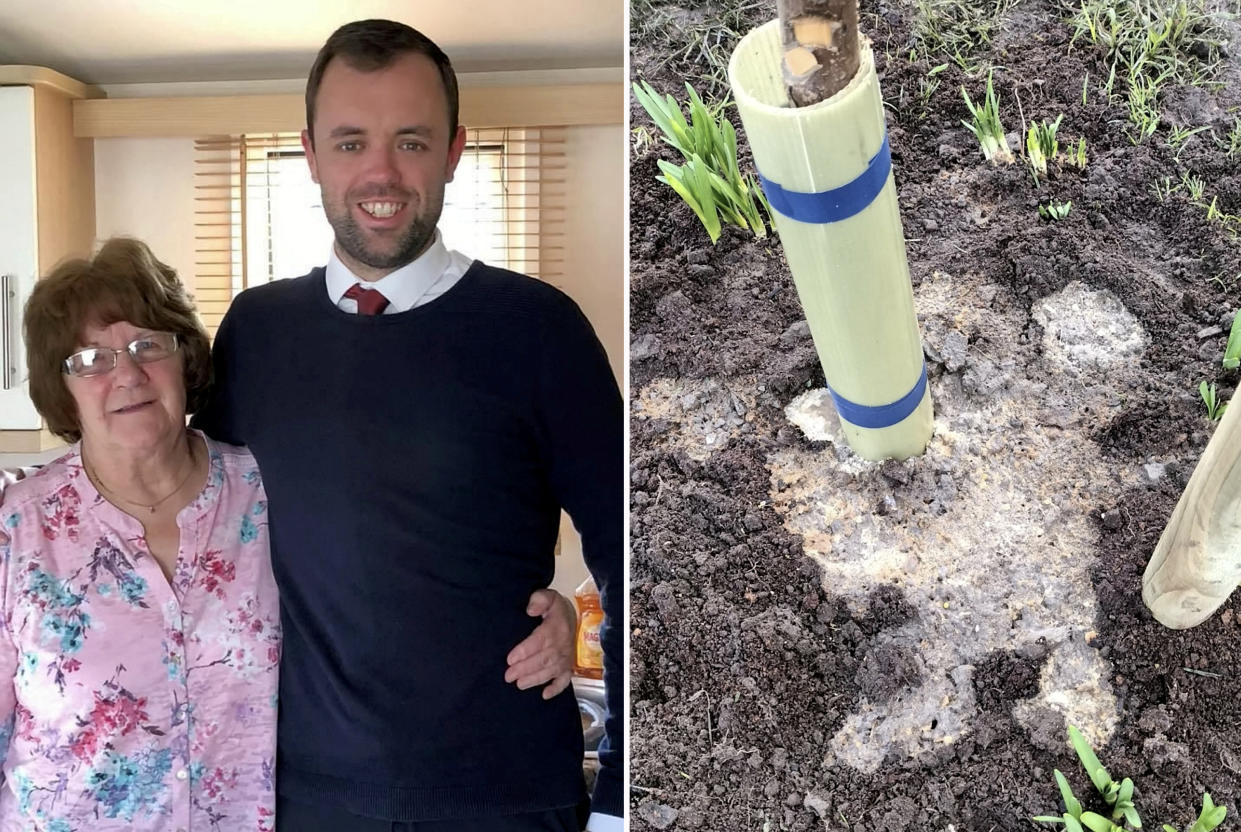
<point x="820" y="47"/>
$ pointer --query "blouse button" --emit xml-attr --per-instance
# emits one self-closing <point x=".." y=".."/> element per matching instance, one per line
<point x="182" y="774"/>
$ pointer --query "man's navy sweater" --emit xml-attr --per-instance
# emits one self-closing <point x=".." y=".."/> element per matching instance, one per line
<point x="415" y="467"/>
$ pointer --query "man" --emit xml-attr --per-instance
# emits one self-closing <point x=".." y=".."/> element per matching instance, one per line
<point x="420" y="420"/>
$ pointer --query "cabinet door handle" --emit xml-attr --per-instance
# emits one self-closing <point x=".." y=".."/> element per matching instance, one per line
<point x="7" y="294"/>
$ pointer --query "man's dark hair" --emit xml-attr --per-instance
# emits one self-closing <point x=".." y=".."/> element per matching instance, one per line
<point x="371" y="45"/>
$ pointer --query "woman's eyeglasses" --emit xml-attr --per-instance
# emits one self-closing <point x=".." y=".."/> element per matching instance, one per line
<point x="94" y="361"/>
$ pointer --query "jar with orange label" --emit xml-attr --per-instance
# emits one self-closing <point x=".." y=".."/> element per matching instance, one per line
<point x="588" y="661"/>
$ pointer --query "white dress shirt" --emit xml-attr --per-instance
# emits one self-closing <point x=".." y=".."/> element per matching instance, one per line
<point x="434" y="272"/>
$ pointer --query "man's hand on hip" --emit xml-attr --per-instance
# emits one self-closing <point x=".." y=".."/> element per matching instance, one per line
<point x="545" y="657"/>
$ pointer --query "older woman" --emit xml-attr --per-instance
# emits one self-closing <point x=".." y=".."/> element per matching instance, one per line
<point x="141" y="636"/>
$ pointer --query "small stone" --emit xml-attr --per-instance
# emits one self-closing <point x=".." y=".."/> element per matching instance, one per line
<point x="954" y="351"/>
<point x="779" y="758"/>
<point x="795" y="334"/>
<point x="665" y="601"/>
<point x="1166" y="758"/>
<point x="816" y="804"/>
<point x="1226" y="618"/>
<point x="930" y="224"/>
<point x="690" y="819"/>
<point x="1111" y="520"/>
<point x="1154" y="471"/>
<point x="772" y="788"/>
<point x="644" y="347"/>
<point x="657" y="815"/>
<point x="1209" y="332"/>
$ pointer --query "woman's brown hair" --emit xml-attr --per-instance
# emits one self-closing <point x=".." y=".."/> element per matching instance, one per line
<point x="123" y="282"/>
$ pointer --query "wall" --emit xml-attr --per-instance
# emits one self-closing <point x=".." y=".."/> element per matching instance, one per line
<point x="594" y="272"/>
<point x="145" y="188"/>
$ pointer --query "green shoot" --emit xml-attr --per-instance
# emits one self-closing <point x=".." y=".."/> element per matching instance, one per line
<point x="710" y="182"/>
<point x="1072" y="807"/>
<point x="692" y="182"/>
<point x="1055" y="211"/>
<point x="1094" y="769"/>
<point x="1117" y="795"/>
<point x="1098" y="823"/>
<point x="1073" y="818"/>
<point x="1215" y="408"/>
<point x="1041" y="145"/>
<point x="986" y="125"/>
<point x="1210" y="817"/>
<point x="1232" y="352"/>
<point x="1079" y="155"/>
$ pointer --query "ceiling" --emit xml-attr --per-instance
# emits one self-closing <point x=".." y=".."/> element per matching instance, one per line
<point x="152" y="41"/>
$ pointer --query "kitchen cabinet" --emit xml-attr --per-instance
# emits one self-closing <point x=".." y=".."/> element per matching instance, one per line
<point x="47" y="214"/>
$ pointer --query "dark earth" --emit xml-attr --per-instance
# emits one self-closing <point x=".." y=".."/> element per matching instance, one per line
<point x="744" y="664"/>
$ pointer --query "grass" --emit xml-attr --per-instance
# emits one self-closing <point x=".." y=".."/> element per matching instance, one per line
<point x="1232" y="142"/>
<point x="1194" y="188"/>
<point x="927" y="86"/>
<point x="957" y="29"/>
<point x="1177" y="136"/>
<point x="1147" y="44"/>
<point x="696" y="50"/>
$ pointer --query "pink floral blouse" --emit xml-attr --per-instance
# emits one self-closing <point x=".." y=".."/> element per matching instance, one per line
<point x="128" y="701"/>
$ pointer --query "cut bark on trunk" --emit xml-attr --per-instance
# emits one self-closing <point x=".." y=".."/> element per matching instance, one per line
<point x="820" y="47"/>
<point x="1197" y="563"/>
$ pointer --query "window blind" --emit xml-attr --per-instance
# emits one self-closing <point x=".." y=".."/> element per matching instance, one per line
<point x="258" y="217"/>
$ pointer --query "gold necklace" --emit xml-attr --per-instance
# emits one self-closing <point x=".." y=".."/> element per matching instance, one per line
<point x="94" y="476"/>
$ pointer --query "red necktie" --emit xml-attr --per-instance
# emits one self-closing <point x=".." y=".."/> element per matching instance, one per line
<point x="370" y="301"/>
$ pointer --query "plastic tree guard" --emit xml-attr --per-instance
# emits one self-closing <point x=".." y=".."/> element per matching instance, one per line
<point x="827" y="172"/>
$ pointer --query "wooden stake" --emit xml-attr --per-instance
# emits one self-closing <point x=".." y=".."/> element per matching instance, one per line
<point x="820" y="47"/>
<point x="1197" y="563"/>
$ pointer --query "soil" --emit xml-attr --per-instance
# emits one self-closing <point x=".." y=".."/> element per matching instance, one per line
<point x="818" y="642"/>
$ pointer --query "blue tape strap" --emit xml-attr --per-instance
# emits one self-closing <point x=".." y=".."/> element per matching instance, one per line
<point x="883" y="416"/>
<point x="838" y="203"/>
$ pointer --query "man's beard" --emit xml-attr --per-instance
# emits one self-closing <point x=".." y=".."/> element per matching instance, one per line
<point x="413" y="239"/>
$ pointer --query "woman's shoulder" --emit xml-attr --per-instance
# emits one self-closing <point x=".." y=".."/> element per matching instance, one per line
<point x="37" y="487"/>
<point x="236" y="462"/>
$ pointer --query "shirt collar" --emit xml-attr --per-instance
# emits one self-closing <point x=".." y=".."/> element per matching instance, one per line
<point x="402" y="287"/>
